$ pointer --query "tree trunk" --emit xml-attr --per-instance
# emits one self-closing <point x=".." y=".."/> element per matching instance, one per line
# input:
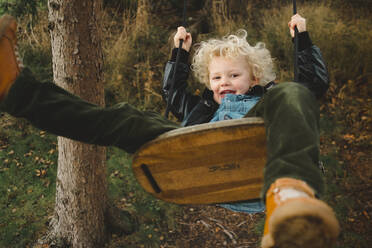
<point x="81" y="196"/>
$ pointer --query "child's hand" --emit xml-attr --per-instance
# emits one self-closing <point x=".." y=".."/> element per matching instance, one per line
<point x="183" y="35"/>
<point x="298" y="21"/>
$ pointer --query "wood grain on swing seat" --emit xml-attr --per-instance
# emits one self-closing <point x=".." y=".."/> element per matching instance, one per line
<point x="203" y="164"/>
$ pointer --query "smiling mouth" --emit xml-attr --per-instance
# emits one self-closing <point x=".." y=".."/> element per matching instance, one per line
<point x="223" y="93"/>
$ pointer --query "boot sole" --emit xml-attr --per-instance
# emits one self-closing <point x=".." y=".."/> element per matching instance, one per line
<point x="305" y="223"/>
<point x="5" y="21"/>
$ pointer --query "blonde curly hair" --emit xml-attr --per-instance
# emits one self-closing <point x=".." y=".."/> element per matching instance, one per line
<point x="232" y="46"/>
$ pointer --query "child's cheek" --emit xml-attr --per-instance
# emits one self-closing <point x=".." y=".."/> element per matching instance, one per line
<point x="217" y="98"/>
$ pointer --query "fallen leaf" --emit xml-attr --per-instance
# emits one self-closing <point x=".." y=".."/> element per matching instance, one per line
<point x="366" y="214"/>
<point x="349" y="136"/>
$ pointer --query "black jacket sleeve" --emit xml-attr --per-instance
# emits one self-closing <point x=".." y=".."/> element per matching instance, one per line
<point x="312" y="70"/>
<point x="182" y="101"/>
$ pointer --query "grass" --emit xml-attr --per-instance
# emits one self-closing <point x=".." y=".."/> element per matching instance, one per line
<point x="28" y="164"/>
<point x="335" y="36"/>
<point x="134" y="61"/>
<point x="343" y="204"/>
<point x="337" y="178"/>
<point x="156" y="217"/>
<point x="27" y="183"/>
<point x="27" y="193"/>
<point x="136" y="45"/>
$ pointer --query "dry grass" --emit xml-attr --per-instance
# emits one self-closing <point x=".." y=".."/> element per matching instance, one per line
<point x="136" y="48"/>
<point x="345" y="45"/>
<point x="344" y="42"/>
<point x="117" y="49"/>
<point x="135" y="58"/>
<point x="36" y="36"/>
<point x="34" y="44"/>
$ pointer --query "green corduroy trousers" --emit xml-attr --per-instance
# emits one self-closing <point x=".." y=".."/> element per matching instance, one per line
<point x="290" y="112"/>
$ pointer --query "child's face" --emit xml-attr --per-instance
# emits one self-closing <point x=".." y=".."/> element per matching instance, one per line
<point x="229" y="76"/>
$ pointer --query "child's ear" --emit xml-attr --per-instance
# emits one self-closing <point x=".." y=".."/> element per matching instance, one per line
<point x="255" y="81"/>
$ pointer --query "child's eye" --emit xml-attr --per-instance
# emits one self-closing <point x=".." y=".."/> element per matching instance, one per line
<point x="216" y="77"/>
<point x="234" y="75"/>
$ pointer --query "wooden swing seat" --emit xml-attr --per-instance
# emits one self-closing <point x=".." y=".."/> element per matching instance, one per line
<point x="203" y="164"/>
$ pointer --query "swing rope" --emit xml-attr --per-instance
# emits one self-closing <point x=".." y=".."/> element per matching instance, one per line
<point x="171" y="90"/>
<point x="295" y="69"/>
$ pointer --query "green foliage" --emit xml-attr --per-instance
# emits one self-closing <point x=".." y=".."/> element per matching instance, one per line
<point x="260" y="225"/>
<point x="34" y="45"/>
<point x="39" y="60"/>
<point x="22" y="7"/>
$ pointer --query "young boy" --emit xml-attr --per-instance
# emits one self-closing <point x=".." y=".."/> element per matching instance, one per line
<point x="239" y="83"/>
<point x="291" y="176"/>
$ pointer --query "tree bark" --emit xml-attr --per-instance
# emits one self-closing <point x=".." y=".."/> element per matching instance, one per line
<point x="81" y="195"/>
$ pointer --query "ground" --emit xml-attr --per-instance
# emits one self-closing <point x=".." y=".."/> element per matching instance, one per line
<point x="346" y="142"/>
<point x="27" y="175"/>
<point x="26" y="200"/>
<point x="217" y="227"/>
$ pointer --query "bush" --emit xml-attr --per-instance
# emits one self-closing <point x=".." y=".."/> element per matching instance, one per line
<point x="34" y="43"/>
<point x="345" y="45"/>
<point x="134" y="61"/>
<point x="20" y="8"/>
<point x="120" y="6"/>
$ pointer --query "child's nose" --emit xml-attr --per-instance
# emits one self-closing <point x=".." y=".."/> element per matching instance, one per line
<point x="225" y="81"/>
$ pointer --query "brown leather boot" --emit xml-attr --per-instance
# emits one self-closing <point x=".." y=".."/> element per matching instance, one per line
<point x="298" y="219"/>
<point x="10" y="64"/>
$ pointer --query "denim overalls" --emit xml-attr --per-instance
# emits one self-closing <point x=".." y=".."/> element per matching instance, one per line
<point x="235" y="107"/>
